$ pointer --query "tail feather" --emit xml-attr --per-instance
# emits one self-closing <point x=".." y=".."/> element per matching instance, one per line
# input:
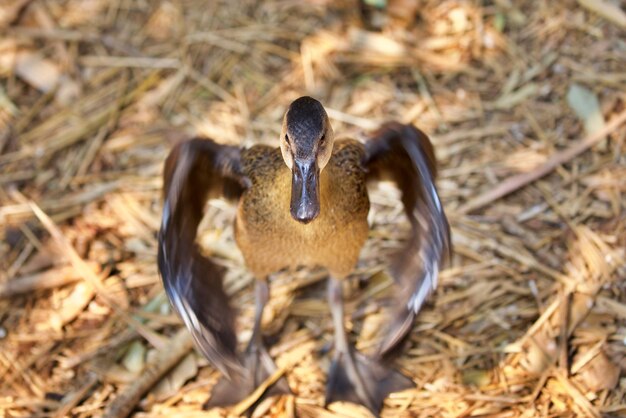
<point x="397" y="333"/>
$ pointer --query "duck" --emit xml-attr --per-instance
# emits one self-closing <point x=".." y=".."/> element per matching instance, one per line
<point x="302" y="204"/>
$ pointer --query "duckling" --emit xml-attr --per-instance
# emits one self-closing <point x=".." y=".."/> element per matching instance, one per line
<point x="304" y="203"/>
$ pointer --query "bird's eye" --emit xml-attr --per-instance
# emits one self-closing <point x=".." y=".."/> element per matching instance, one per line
<point x="323" y="139"/>
<point x="287" y="138"/>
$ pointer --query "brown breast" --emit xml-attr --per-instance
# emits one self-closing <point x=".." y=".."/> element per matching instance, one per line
<point x="270" y="239"/>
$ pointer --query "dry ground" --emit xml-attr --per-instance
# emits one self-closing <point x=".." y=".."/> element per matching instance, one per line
<point x="530" y="319"/>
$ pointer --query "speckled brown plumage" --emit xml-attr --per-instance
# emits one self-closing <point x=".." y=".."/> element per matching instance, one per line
<point x="270" y="239"/>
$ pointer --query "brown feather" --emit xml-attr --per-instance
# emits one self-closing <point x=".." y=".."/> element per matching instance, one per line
<point x="194" y="171"/>
<point x="270" y="239"/>
<point x="404" y="154"/>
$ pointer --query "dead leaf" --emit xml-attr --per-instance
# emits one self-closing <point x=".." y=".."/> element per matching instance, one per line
<point x="476" y="377"/>
<point x="599" y="373"/>
<point x="379" y="4"/>
<point x="68" y="91"/>
<point x="135" y="357"/>
<point x="585" y="104"/>
<point x="37" y="71"/>
<point x="165" y="22"/>
<point x="371" y="42"/>
<point x="175" y="380"/>
<point x="540" y="353"/>
<point x="8" y="54"/>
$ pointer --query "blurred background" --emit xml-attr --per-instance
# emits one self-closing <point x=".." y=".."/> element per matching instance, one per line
<point x="524" y="101"/>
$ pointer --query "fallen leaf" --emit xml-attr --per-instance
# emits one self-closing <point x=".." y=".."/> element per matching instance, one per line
<point x="68" y="90"/>
<point x="476" y="377"/>
<point x="8" y="55"/>
<point x="165" y="22"/>
<point x="403" y="9"/>
<point x="587" y="107"/>
<point x="175" y="380"/>
<point x="375" y="43"/>
<point x="135" y="357"/>
<point x="540" y="353"/>
<point x="37" y="71"/>
<point x="379" y="4"/>
<point x="499" y="22"/>
<point x="118" y="374"/>
<point x="600" y="373"/>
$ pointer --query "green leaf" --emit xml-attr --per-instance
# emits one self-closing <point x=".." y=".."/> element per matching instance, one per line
<point x="135" y="357"/>
<point x="379" y="4"/>
<point x="476" y="377"/>
<point x="499" y="22"/>
<point x="587" y="107"/>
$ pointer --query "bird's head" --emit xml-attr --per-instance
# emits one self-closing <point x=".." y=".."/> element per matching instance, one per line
<point x="306" y="143"/>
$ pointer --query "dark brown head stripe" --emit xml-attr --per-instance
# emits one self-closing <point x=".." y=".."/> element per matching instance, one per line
<point x="305" y="125"/>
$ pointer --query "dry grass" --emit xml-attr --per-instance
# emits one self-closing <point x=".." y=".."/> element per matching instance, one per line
<point x="530" y="319"/>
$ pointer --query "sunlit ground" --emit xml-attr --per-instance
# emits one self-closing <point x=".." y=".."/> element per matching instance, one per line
<point x="528" y="320"/>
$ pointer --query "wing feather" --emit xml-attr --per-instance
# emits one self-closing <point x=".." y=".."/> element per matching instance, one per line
<point x="404" y="154"/>
<point x="195" y="171"/>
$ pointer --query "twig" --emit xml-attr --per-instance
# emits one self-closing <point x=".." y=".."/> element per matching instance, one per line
<point x="111" y="344"/>
<point x="246" y="403"/>
<point x="130" y="62"/>
<point x="520" y="180"/>
<point x="72" y="399"/>
<point x="609" y="11"/>
<point x="48" y="279"/>
<point x="564" y="334"/>
<point x="166" y="358"/>
<point x="578" y="398"/>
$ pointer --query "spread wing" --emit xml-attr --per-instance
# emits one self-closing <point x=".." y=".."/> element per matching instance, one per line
<point x="404" y="154"/>
<point x="195" y="171"/>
